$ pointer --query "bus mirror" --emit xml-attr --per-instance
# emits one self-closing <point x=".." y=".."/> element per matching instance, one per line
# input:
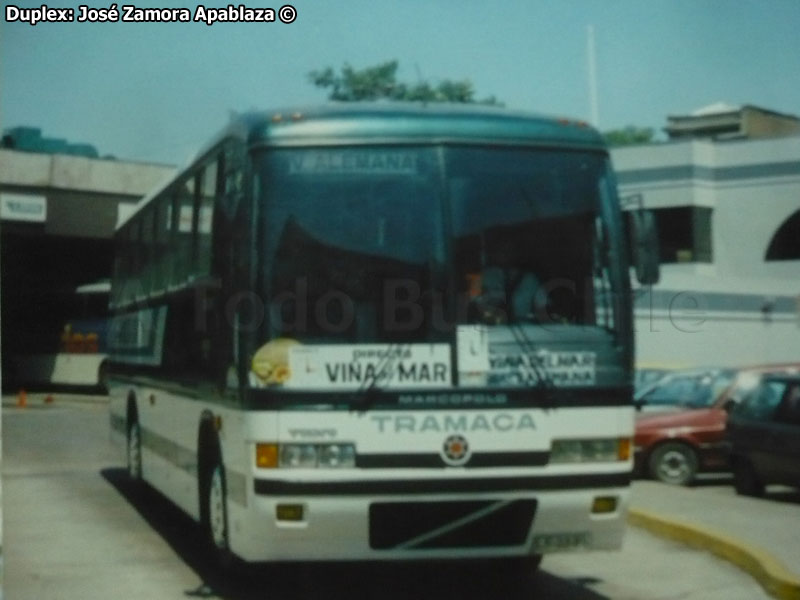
<point x="644" y="245"/>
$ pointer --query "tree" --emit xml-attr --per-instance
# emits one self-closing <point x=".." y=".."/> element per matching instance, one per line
<point x="380" y="81"/>
<point x="628" y="136"/>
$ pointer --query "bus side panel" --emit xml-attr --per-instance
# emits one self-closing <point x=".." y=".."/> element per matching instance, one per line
<point x="169" y="454"/>
<point x="238" y="457"/>
<point x="170" y="424"/>
<point x="117" y="406"/>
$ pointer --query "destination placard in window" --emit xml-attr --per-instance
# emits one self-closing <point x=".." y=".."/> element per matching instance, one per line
<point x="354" y="367"/>
<point x="560" y="368"/>
<point x="353" y="163"/>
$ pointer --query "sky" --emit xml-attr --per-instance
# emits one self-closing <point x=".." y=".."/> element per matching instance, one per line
<point x="156" y="92"/>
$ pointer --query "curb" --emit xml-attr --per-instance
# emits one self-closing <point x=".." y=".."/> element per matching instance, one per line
<point x="38" y="400"/>
<point x="771" y="573"/>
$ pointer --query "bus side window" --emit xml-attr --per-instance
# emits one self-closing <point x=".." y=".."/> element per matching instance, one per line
<point x="205" y="217"/>
<point x="147" y="249"/>
<point x="187" y="348"/>
<point x="134" y="289"/>
<point x="182" y="232"/>
<point x="229" y="250"/>
<point x="120" y="267"/>
<point x="161" y="234"/>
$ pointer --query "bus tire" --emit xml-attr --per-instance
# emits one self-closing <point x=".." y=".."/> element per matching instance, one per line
<point x="134" y="451"/>
<point x="215" y="514"/>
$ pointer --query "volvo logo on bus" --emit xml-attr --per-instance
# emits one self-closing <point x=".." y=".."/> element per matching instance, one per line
<point x="455" y="450"/>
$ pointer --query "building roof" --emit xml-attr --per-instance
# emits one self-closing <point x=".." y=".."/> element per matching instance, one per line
<point x="724" y="109"/>
<point x="721" y="120"/>
<point x="715" y="109"/>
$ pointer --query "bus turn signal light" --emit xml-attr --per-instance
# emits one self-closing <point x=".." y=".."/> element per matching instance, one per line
<point x="624" y="449"/>
<point x="266" y="456"/>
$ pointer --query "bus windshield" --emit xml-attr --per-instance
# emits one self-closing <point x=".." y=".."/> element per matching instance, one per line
<point x="384" y="245"/>
<point x="529" y="234"/>
<point x="344" y="229"/>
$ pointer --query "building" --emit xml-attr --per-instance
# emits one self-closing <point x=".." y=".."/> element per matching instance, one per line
<point x="728" y="214"/>
<point x="57" y="217"/>
<point x="30" y="139"/>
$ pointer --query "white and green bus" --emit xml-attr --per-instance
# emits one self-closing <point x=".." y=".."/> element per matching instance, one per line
<point x="383" y="332"/>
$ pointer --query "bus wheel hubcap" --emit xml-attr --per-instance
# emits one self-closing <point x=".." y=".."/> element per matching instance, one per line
<point x="134" y="453"/>
<point x="216" y="510"/>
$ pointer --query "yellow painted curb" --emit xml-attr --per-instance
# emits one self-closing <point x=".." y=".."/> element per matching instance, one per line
<point x="773" y="576"/>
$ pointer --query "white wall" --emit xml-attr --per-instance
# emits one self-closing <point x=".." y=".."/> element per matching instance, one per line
<point x="753" y="186"/>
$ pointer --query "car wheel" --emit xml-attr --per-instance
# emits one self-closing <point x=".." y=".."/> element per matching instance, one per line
<point x="673" y="463"/>
<point x="745" y="480"/>
<point x="134" y="452"/>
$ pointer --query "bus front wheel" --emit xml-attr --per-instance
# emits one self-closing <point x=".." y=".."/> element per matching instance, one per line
<point x="134" y="452"/>
<point x="216" y="515"/>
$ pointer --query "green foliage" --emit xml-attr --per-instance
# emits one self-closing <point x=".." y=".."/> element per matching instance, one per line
<point x="628" y="136"/>
<point x="380" y="81"/>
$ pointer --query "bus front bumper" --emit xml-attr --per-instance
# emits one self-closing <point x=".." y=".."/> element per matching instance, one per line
<point x="412" y="526"/>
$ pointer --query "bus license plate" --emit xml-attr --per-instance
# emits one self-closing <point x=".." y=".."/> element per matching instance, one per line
<point x="553" y="542"/>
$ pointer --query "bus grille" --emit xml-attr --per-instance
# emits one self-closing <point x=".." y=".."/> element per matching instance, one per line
<point x="451" y="524"/>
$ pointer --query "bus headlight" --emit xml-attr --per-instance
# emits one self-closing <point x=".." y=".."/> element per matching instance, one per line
<point x="298" y="456"/>
<point x="590" y="450"/>
<point x="337" y="456"/>
<point x="308" y="456"/>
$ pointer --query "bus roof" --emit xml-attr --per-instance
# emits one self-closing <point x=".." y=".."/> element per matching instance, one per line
<point x="407" y="122"/>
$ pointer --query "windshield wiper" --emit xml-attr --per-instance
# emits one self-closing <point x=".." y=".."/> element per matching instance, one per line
<point x="543" y="379"/>
<point x="369" y="392"/>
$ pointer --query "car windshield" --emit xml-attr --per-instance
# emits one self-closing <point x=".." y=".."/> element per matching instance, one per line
<point x="695" y="390"/>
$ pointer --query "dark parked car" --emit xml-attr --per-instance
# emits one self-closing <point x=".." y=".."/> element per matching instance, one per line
<point x="764" y="433"/>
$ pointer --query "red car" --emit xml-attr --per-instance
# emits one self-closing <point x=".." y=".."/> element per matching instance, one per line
<point x="674" y="446"/>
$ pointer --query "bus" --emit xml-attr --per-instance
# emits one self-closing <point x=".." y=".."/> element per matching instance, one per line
<point x="65" y="345"/>
<point x="383" y="331"/>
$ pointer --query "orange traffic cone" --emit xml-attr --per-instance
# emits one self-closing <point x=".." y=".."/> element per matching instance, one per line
<point x="22" y="399"/>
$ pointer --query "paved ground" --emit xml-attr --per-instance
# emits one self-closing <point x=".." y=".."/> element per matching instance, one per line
<point x="771" y="523"/>
<point x="758" y="535"/>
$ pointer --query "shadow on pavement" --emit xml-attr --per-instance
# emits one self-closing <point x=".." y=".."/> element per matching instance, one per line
<point x="776" y="493"/>
<point x="782" y="494"/>
<point x="337" y="581"/>
<point x="712" y="479"/>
